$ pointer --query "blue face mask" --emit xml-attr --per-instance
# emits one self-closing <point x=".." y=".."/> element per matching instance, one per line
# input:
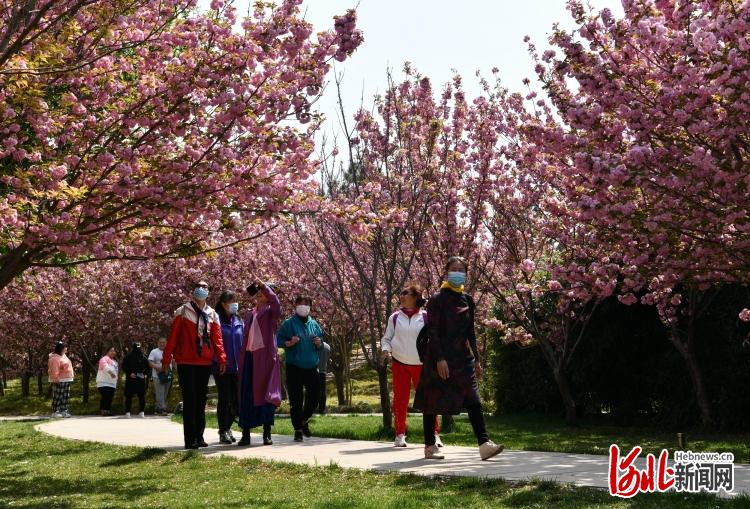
<point x="200" y="293"/>
<point x="234" y="307"/>
<point x="456" y="278"/>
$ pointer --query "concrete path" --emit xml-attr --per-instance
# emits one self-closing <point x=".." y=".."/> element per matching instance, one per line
<point x="160" y="432"/>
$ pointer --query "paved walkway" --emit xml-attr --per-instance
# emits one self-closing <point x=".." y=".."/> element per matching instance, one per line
<point x="580" y="469"/>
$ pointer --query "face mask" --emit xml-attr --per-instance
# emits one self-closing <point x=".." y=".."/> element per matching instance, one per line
<point x="456" y="278"/>
<point x="200" y="293"/>
<point x="234" y="307"/>
<point x="303" y="310"/>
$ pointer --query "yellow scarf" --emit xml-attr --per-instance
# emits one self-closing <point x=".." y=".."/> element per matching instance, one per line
<point x="457" y="289"/>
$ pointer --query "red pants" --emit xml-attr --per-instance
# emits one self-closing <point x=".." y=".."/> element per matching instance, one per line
<point x="405" y="377"/>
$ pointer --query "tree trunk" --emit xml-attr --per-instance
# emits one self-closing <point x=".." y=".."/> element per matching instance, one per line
<point x="13" y="264"/>
<point x="5" y="380"/>
<point x="25" y="384"/>
<point x="687" y="351"/>
<point x="2" y="384"/>
<point x="340" y="393"/>
<point x="569" y="402"/>
<point x="86" y="380"/>
<point x="39" y="385"/>
<point x="385" y="398"/>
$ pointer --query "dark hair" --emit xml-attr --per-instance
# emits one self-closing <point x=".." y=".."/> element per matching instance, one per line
<point x="302" y="298"/>
<point x="136" y="352"/>
<point x="226" y="296"/>
<point x="418" y="292"/>
<point x="459" y="259"/>
<point x="110" y="347"/>
<point x="59" y="347"/>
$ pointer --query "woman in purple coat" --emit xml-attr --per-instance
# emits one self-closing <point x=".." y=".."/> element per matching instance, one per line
<point x="259" y="372"/>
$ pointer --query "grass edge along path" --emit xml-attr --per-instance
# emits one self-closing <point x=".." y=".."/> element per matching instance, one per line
<point x="37" y="470"/>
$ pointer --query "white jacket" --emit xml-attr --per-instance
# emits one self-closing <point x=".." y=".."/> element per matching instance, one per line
<point x="106" y="375"/>
<point x="401" y="340"/>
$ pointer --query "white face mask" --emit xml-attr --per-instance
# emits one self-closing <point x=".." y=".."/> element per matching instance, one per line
<point x="303" y="310"/>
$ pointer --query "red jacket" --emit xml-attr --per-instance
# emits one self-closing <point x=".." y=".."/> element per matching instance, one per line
<point x="182" y="342"/>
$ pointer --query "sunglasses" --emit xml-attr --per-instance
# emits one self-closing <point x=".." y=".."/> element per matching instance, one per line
<point x="404" y="293"/>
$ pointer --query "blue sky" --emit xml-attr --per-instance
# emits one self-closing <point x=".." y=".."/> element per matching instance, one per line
<point x="436" y="36"/>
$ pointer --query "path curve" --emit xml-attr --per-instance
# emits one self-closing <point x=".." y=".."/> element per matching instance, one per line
<point x="160" y="432"/>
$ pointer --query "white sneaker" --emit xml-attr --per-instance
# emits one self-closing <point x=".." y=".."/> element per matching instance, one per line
<point x="438" y="442"/>
<point x="141" y="415"/>
<point x="127" y="415"/>
<point x="489" y="449"/>
<point x="56" y="415"/>
<point x="66" y="415"/>
<point x="431" y="452"/>
<point x="400" y="441"/>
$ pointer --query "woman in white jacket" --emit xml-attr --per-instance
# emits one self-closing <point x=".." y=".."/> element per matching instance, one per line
<point x="106" y="380"/>
<point x="400" y="344"/>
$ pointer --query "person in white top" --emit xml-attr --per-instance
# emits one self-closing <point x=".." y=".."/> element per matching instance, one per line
<point x="161" y="376"/>
<point x="106" y="380"/>
<point x="400" y="345"/>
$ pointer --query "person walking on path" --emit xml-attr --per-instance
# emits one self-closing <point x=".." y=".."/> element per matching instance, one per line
<point x="194" y="340"/>
<point x="232" y="333"/>
<point x="162" y="379"/>
<point x="323" y="355"/>
<point x="259" y="368"/>
<point x="301" y="338"/>
<point x="135" y="367"/>
<point x="451" y="364"/>
<point x="60" y="372"/>
<point x="106" y="380"/>
<point x="399" y="344"/>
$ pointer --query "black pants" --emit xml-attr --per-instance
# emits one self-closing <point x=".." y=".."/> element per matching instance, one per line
<point x="107" y="393"/>
<point x="477" y="423"/>
<point x="135" y="387"/>
<point x="194" y="386"/>
<point x="302" y="385"/>
<point x="322" y="397"/>
<point x="226" y="409"/>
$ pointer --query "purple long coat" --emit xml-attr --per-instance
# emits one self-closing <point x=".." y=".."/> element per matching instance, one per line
<point x="266" y="368"/>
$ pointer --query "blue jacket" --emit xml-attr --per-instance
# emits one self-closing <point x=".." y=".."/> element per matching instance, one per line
<point x="232" y="333"/>
<point x="304" y="354"/>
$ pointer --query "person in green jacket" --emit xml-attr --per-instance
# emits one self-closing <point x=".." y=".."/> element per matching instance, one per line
<point x="301" y="337"/>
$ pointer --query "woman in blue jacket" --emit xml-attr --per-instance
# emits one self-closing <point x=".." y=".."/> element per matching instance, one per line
<point x="301" y="337"/>
<point x="232" y="332"/>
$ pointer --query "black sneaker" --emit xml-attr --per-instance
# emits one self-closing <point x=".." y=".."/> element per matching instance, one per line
<point x="194" y="445"/>
<point x="224" y="438"/>
<point x="231" y="436"/>
<point x="245" y="440"/>
<point x="306" y="430"/>
<point x="202" y="443"/>
<point x="298" y="435"/>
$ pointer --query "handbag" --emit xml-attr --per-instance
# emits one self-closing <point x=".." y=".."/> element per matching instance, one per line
<point x="165" y="377"/>
<point x="273" y="390"/>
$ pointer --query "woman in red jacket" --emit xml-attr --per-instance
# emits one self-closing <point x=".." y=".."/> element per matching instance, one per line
<point x="194" y="341"/>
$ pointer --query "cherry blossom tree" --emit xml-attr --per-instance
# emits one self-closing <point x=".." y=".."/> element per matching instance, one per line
<point x="152" y="129"/>
<point x="645" y="131"/>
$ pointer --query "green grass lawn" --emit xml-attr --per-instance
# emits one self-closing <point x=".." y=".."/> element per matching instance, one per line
<point x="37" y="470"/>
<point x="526" y="432"/>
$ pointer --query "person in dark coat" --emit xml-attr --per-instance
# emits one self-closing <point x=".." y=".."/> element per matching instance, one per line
<point x="451" y="366"/>
<point x="232" y="334"/>
<point x="136" y="369"/>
